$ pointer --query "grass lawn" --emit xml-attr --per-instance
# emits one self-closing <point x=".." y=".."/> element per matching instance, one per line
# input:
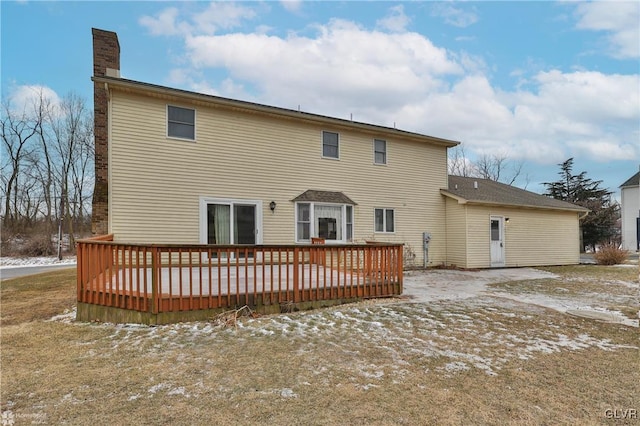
<point x="484" y="360"/>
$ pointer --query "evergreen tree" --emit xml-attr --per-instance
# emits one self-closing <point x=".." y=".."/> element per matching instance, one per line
<point x="599" y="225"/>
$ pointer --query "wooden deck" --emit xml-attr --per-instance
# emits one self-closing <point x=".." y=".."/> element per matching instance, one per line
<point x="159" y="282"/>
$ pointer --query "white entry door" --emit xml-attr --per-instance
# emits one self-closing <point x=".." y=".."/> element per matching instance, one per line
<point x="497" y="241"/>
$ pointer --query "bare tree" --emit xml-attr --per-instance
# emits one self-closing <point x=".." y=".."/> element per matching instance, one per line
<point x="496" y="167"/>
<point x="18" y="131"/>
<point x="47" y="166"/>
<point x="68" y="128"/>
<point x="82" y="171"/>
<point x="458" y="163"/>
<point x="43" y="167"/>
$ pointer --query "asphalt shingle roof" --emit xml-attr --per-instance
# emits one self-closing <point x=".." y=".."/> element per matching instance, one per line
<point x="632" y="181"/>
<point x="324" y="197"/>
<point x="490" y="192"/>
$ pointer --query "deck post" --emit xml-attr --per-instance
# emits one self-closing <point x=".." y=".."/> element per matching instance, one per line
<point x="296" y="276"/>
<point x="79" y="271"/>
<point x="154" y="280"/>
<point x="400" y="249"/>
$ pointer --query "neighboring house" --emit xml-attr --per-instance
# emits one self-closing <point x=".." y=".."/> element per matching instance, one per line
<point x="630" y="209"/>
<point x="174" y="166"/>
<point x="490" y="224"/>
<point x="180" y="167"/>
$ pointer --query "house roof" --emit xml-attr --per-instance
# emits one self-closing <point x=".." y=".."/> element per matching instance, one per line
<point x="250" y="107"/>
<point x="468" y="190"/>
<point x="632" y="181"/>
<point x="324" y="197"/>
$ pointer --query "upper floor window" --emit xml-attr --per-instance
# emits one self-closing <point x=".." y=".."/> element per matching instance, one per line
<point x="181" y="122"/>
<point x="330" y="145"/>
<point x="385" y="220"/>
<point x="380" y="151"/>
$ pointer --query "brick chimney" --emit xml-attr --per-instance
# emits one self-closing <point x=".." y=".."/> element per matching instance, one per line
<point x="106" y="62"/>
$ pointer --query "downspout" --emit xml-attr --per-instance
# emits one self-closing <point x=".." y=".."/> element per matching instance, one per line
<point x="109" y="159"/>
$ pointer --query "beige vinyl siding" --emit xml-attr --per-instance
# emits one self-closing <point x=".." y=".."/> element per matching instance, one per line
<point x="156" y="182"/>
<point x="532" y="237"/>
<point x="456" y="233"/>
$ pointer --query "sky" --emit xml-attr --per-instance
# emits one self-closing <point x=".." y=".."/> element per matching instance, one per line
<point x="533" y="82"/>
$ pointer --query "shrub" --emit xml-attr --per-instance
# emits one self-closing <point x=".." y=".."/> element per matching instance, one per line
<point x="610" y="254"/>
<point x="37" y="245"/>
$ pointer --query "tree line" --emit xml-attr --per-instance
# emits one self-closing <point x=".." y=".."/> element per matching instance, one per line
<point x="47" y="169"/>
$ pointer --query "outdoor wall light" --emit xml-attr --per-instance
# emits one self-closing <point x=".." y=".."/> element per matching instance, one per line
<point x="506" y="220"/>
<point x="272" y="206"/>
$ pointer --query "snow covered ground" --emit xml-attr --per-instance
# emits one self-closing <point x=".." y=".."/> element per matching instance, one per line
<point x="451" y="320"/>
<point x="434" y="285"/>
<point x="18" y="262"/>
<point x="13" y="267"/>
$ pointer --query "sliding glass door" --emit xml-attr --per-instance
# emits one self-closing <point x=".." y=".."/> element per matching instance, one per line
<point x="244" y="224"/>
<point x="231" y="224"/>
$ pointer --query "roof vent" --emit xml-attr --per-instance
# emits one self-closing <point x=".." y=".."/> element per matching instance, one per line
<point x="475" y="184"/>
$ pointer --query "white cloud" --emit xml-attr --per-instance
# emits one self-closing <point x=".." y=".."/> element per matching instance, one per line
<point x="591" y="115"/>
<point x="219" y="15"/>
<point x="164" y="23"/>
<point x="338" y="71"/>
<point x="180" y="76"/>
<point x="23" y="98"/>
<point x="590" y="96"/>
<point x="291" y="5"/>
<point x="621" y="20"/>
<point x="605" y="148"/>
<point x="395" y="21"/>
<point x="222" y="15"/>
<point x="456" y="16"/>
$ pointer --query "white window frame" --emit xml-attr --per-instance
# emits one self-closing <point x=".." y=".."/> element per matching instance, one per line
<point x="375" y="152"/>
<point x="194" y="123"/>
<point x="384" y="220"/>
<point x="348" y="223"/>
<point x="322" y="144"/>
<point x="312" y="219"/>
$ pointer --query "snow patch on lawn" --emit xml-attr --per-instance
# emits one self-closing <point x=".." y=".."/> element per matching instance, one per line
<point x="17" y="262"/>
<point x="68" y="316"/>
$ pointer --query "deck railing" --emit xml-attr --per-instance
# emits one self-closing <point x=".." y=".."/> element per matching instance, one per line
<point x="157" y="278"/>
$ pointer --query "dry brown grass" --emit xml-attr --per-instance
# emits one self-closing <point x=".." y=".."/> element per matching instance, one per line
<point x="52" y="292"/>
<point x="483" y="361"/>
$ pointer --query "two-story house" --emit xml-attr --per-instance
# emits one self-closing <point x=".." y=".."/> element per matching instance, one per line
<point x="174" y="166"/>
